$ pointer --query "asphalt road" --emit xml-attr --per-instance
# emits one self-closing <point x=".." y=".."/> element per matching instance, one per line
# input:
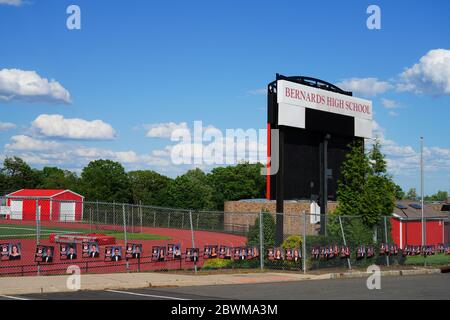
<point x="406" y="287"/>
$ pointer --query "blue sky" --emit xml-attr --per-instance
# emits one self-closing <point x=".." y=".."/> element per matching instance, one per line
<point x="137" y="65"/>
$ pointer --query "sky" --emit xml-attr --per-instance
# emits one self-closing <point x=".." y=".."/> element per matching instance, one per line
<point x="135" y="71"/>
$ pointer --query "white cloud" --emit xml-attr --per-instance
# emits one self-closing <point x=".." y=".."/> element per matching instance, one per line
<point x="164" y="130"/>
<point x="393" y="114"/>
<point x="26" y="143"/>
<point x="57" y="126"/>
<point x="366" y="87"/>
<point x="90" y="153"/>
<point x="389" y="104"/>
<point x="6" y="126"/>
<point x="16" y="84"/>
<point x="404" y="160"/>
<point x="378" y="132"/>
<point x="11" y="2"/>
<point x="218" y="148"/>
<point x="162" y="152"/>
<point x="68" y="155"/>
<point x="431" y="75"/>
<point x="258" y="92"/>
<point x="127" y="156"/>
<point x="442" y="152"/>
<point x="398" y="151"/>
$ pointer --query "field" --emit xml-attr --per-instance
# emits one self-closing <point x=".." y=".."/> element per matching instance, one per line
<point x="29" y="232"/>
<point x="438" y="259"/>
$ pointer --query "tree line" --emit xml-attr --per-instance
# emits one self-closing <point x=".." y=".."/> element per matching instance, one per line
<point x="440" y="195"/>
<point x="107" y="180"/>
<point x="365" y="186"/>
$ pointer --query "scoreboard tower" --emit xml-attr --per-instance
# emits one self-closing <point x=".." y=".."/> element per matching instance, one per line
<point x="310" y="125"/>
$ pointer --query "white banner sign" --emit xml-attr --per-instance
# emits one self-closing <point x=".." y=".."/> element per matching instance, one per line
<point x="293" y="98"/>
<point x="310" y="97"/>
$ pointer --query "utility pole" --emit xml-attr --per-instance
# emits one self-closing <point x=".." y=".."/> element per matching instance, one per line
<point x="421" y="191"/>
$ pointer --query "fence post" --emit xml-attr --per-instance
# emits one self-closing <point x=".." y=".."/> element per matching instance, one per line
<point x="261" y="240"/>
<point x="38" y="231"/>
<point x="154" y="219"/>
<point x="425" y="257"/>
<point x="90" y="220"/>
<point x="304" y="242"/>
<point x="168" y="222"/>
<point x="125" y="230"/>
<point x="193" y="240"/>
<point x="198" y="218"/>
<point x="38" y="223"/>
<point x="386" y="239"/>
<point x="345" y="242"/>
<point x="140" y="210"/>
<point x="132" y="218"/>
<point x="97" y="220"/>
<point x="114" y="215"/>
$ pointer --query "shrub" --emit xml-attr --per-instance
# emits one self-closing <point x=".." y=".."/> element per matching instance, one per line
<point x="268" y="230"/>
<point x="292" y="242"/>
<point x="246" y="264"/>
<point x="212" y="264"/>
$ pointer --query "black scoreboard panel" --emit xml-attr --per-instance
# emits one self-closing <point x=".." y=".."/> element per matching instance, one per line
<point x="301" y="154"/>
<point x="302" y="163"/>
<point x="332" y="123"/>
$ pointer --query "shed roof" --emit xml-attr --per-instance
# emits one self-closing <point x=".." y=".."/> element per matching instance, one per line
<point x="410" y="210"/>
<point x="39" y="193"/>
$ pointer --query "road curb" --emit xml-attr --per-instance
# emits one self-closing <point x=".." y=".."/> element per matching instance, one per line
<point x="360" y="274"/>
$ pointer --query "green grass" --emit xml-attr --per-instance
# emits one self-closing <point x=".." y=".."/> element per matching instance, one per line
<point x="29" y="232"/>
<point x="438" y="259"/>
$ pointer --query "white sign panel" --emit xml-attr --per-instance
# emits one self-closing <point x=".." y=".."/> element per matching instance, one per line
<point x="293" y="98"/>
<point x="310" y="97"/>
<point x="291" y="116"/>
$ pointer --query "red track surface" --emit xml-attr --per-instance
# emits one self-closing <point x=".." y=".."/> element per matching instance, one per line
<point x="27" y="266"/>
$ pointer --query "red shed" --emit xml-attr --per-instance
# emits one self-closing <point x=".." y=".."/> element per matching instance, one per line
<point x="55" y="205"/>
<point x="407" y="224"/>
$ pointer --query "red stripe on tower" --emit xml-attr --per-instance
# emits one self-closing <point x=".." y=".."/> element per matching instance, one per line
<point x="268" y="163"/>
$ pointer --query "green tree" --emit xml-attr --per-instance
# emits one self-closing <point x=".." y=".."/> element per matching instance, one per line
<point x="191" y="191"/>
<point x="365" y="189"/>
<point x="411" y="194"/>
<point x="17" y="174"/>
<point x="55" y="178"/>
<point x="3" y="182"/>
<point x="149" y="187"/>
<point x="105" y="180"/>
<point x="439" y="196"/>
<point x="379" y="192"/>
<point x="399" y="193"/>
<point x="354" y="172"/>
<point x="243" y="181"/>
<point x="268" y="231"/>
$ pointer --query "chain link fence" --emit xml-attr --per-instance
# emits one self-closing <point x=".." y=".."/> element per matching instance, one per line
<point x="45" y="235"/>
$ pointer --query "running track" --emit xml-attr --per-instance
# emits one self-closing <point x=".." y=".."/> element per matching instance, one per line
<point x="27" y="266"/>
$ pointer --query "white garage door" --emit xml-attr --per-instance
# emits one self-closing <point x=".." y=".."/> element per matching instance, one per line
<point x="16" y="209"/>
<point x="67" y="211"/>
